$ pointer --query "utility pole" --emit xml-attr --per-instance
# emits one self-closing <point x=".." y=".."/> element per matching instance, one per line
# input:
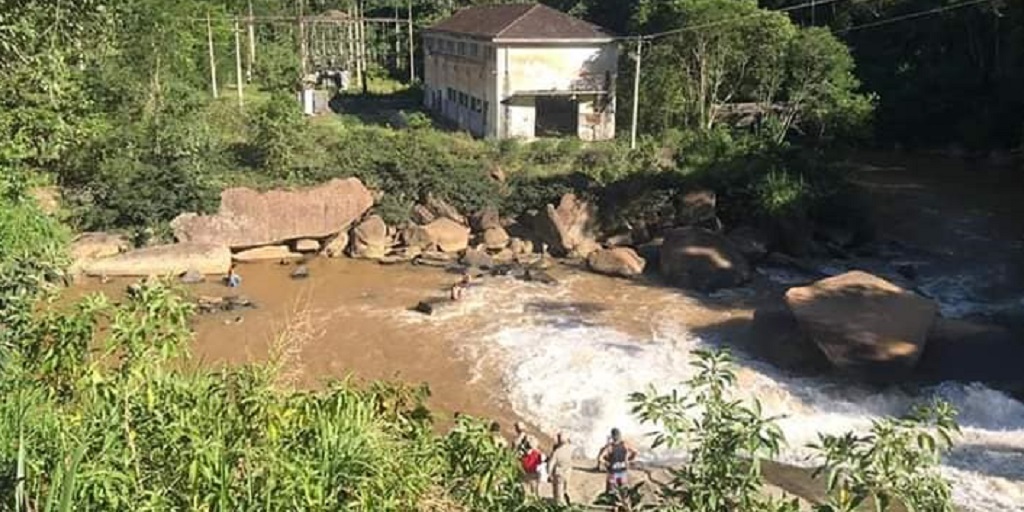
<point x="398" y="39"/>
<point x="213" y="61"/>
<point x="412" y="53"/>
<point x="361" y="8"/>
<point x="636" y="92"/>
<point x="302" y="44"/>
<point x="238" y="64"/>
<point x="252" y="44"/>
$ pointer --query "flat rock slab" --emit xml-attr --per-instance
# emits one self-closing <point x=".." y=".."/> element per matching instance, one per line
<point x="248" y="218"/>
<point x="164" y="260"/>
<point x="268" y="253"/>
<point x="307" y="245"/>
<point x="864" y="324"/>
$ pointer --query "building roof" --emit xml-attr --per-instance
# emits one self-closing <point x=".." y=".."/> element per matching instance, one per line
<point x="520" y="22"/>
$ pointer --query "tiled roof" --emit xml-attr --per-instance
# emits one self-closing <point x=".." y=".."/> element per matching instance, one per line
<point x="519" y="21"/>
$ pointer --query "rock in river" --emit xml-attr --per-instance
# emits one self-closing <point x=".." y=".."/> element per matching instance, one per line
<point x="617" y="261"/>
<point x="570" y="226"/>
<point x="164" y="260"/>
<point x="248" y="218"/>
<point x="267" y="253"/>
<point x="369" y="240"/>
<point x="449" y="236"/>
<point x="864" y="324"/>
<point x="698" y="259"/>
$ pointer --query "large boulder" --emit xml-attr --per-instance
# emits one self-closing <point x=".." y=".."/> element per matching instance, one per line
<point x="91" y="246"/>
<point x="495" y="238"/>
<point x="418" y="237"/>
<point x="572" y="224"/>
<point x="369" y="239"/>
<point x="775" y="336"/>
<point x="617" y="261"/>
<point x="488" y="218"/>
<point x="698" y="259"/>
<point x="448" y="235"/>
<point x="864" y="324"/>
<point x="443" y="210"/>
<point x="336" y="247"/>
<point x="164" y="260"/>
<point x="964" y="351"/>
<point x="248" y="218"/>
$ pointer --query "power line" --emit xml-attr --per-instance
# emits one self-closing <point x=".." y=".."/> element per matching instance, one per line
<point x="911" y="16"/>
<point x="658" y="35"/>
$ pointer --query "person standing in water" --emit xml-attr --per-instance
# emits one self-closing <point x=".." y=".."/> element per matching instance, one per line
<point x="233" y="280"/>
<point x="560" y="468"/>
<point x="615" y="458"/>
<point x="459" y="288"/>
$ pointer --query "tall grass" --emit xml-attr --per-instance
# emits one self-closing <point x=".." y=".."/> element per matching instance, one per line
<point x="117" y="422"/>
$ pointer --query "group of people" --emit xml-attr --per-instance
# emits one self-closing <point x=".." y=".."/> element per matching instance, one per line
<point x="556" y="467"/>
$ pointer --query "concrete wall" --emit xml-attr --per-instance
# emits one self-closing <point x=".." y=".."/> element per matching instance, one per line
<point x="556" y="67"/>
<point x="459" y="83"/>
<point x="597" y="118"/>
<point x="560" y="67"/>
<point x="492" y="81"/>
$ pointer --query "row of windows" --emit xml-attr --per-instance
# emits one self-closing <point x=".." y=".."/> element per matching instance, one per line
<point x="465" y="100"/>
<point x="460" y="48"/>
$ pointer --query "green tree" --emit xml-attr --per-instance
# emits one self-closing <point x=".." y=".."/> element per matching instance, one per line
<point x="726" y="440"/>
<point x="734" y="53"/>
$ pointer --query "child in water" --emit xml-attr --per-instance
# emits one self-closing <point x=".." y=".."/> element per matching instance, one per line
<point x="233" y="280"/>
<point x="459" y="288"/>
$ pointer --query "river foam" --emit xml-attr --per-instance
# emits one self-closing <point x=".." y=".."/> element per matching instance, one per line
<point x="565" y="367"/>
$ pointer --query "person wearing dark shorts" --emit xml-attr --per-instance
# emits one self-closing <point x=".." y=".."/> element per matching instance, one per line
<point x="615" y="458"/>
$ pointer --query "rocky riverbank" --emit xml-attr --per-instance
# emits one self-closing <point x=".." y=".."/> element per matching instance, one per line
<point x="859" y="325"/>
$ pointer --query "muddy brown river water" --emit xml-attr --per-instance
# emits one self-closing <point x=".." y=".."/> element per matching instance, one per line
<point x="566" y="357"/>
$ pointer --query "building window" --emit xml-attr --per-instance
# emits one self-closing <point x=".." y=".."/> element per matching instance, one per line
<point x="474" y="50"/>
<point x="462" y="99"/>
<point x="462" y="48"/>
<point x="429" y="42"/>
<point x="450" y="46"/>
<point x="451" y="94"/>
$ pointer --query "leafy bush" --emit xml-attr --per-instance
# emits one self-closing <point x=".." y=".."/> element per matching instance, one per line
<point x="896" y="465"/>
<point x="148" y="435"/>
<point x="780" y="193"/>
<point x="31" y="249"/>
<point x="146" y="172"/>
<point x="281" y="136"/>
<point x="726" y="440"/>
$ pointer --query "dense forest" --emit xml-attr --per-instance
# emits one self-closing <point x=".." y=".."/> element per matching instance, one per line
<point x="110" y="102"/>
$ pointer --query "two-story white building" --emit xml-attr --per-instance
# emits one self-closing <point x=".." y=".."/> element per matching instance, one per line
<point x="522" y="71"/>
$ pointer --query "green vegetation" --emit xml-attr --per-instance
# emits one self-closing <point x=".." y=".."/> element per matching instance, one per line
<point x="102" y="410"/>
<point x="896" y="465"/>
<point x="101" y="407"/>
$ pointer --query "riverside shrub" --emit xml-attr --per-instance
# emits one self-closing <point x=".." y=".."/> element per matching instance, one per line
<point x="119" y="425"/>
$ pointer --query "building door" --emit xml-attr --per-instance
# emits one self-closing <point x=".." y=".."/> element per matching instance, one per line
<point x="557" y="116"/>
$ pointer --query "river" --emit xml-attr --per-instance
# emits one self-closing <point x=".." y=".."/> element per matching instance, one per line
<point x="565" y="358"/>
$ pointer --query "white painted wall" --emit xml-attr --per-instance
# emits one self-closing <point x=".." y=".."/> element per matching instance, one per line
<point x="558" y="67"/>
<point x="513" y="69"/>
<point x="471" y="75"/>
